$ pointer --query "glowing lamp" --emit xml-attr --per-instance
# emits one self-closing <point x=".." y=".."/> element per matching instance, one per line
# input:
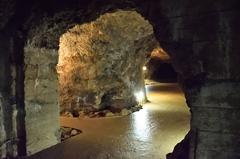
<point x="144" y="68"/>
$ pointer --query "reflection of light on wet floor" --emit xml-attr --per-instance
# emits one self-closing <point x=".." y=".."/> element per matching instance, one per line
<point x="150" y="133"/>
<point x="141" y="125"/>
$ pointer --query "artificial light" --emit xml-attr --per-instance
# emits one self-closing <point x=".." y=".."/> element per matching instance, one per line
<point x="144" y="68"/>
<point x="139" y="97"/>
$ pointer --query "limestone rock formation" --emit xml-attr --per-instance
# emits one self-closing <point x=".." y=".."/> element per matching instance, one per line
<point x="202" y="38"/>
<point x="100" y="63"/>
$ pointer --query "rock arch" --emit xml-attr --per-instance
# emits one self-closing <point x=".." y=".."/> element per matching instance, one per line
<point x="197" y="36"/>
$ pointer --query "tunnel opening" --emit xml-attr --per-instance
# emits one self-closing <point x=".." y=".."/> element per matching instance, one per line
<point x="100" y="73"/>
<point x="202" y="39"/>
<point x="104" y="70"/>
<point x="158" y="67"/>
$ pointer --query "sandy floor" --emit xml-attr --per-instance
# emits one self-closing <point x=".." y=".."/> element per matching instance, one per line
<point x="150" y="133"/>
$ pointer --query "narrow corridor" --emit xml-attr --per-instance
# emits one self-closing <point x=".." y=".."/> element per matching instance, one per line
<point x="150" y="133"/>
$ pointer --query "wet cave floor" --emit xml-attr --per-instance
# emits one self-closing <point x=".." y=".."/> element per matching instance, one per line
<point x="150" y="133"/>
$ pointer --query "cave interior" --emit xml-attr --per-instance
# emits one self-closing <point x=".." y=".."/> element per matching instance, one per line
<point x="96" y="59"/>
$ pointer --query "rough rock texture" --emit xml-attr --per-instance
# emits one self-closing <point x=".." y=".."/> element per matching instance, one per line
<point x="159" y="53"/>
<point x="67" y="132"/>
<point x="202" y="38"/>
<point x="102" y="113"/>
<point x="2" y="131"/>
<point x="216" y="119"/>
<point x="41" y="98"/>
<point x="9" y="120"/>
<point x="2" y="106"/>
<point x="100" y="63"/>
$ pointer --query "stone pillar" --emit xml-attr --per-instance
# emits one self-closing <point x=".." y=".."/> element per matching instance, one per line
<point x="2" y="131"/>
<point x="215" y="120"/>
<point x="8" y="111"/>
<point x="41" y="99"/>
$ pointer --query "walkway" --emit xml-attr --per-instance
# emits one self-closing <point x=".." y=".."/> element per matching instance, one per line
<point x="150" y="133"/>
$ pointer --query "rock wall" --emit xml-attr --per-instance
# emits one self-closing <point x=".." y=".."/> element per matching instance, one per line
<point x="8" y="104"/>
<point x="2" y="119"/>
<point x="202" y="38"/>
<point x="41" y="98"/>
<point x="215" y="120"/>
<point x="100" y="63"/>
<point x="2" y="131"/>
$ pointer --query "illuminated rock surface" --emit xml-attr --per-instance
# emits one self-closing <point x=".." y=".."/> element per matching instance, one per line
<point x="201" y="37"/>
<point x="100" y="63"/>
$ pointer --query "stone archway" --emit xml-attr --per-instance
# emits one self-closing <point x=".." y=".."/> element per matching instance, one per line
<point x="201" y="35"/>
<point x="42" y="38"/>
<point x="123" y="56"/>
